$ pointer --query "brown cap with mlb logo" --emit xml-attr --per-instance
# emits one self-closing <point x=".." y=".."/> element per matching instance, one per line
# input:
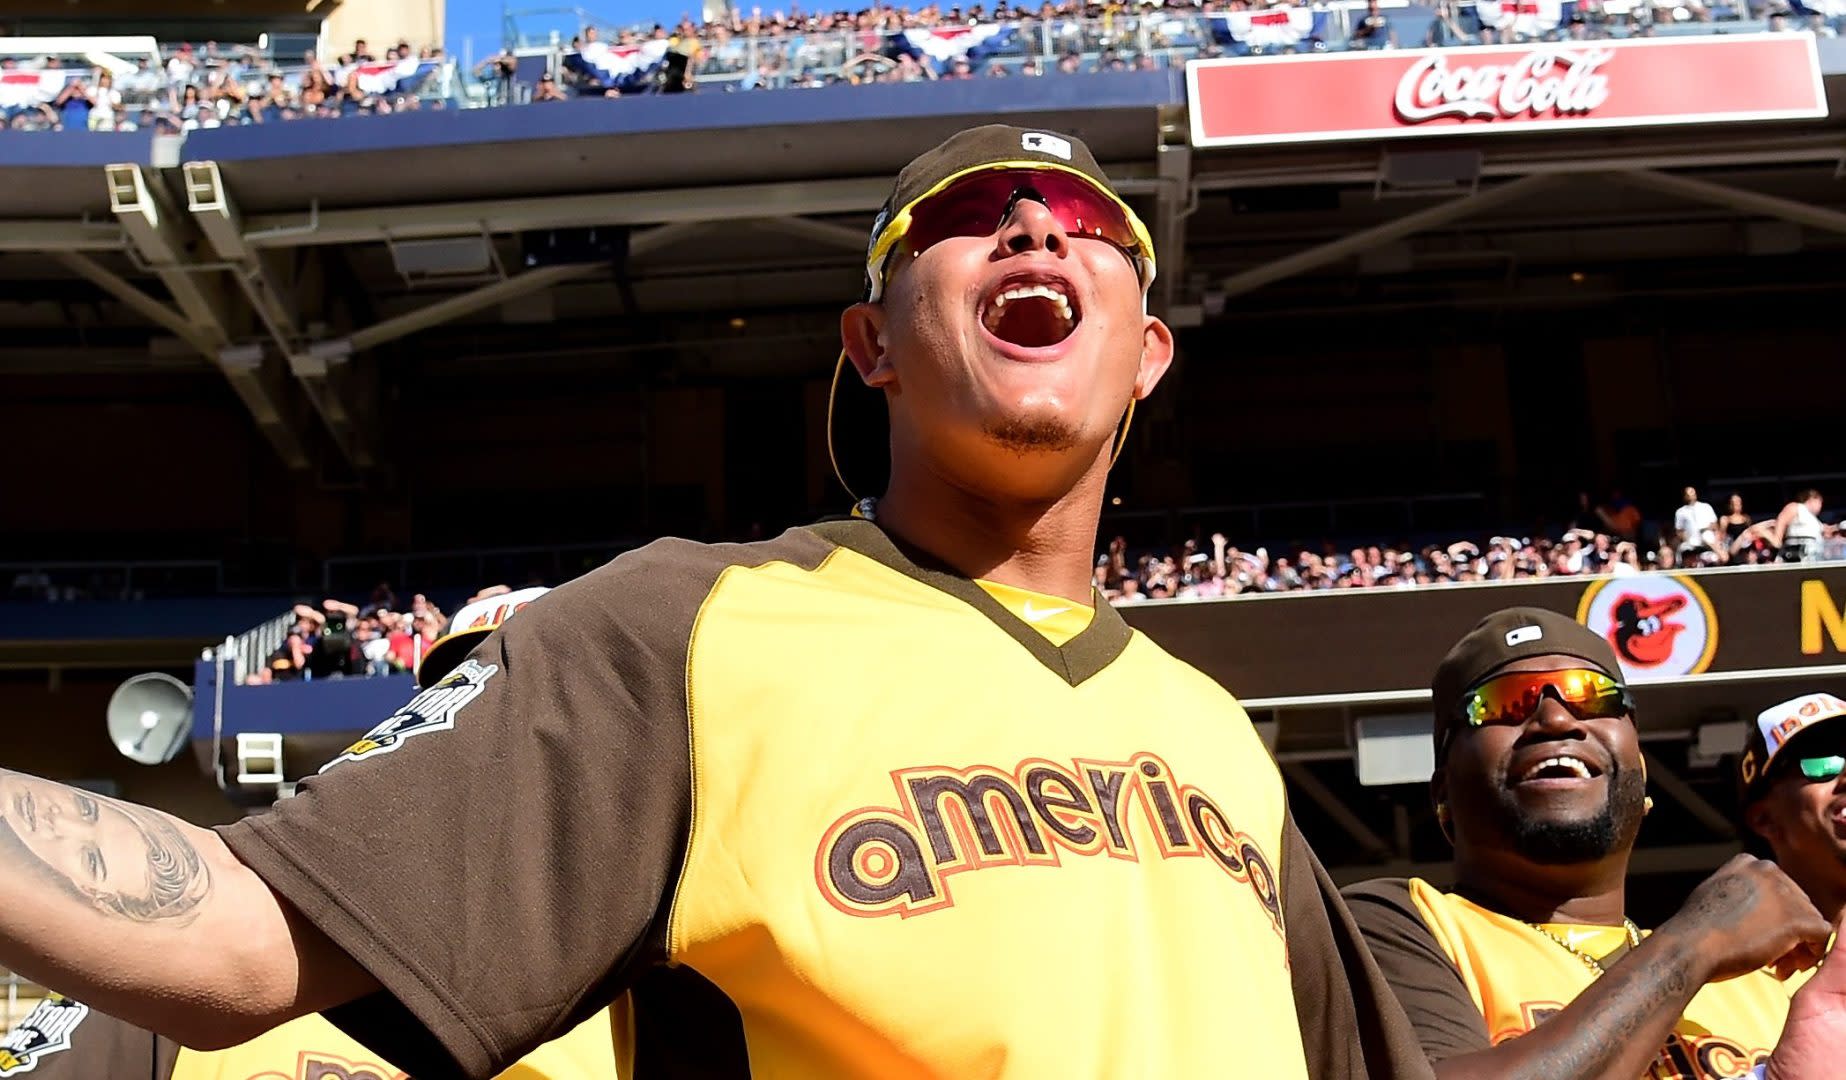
<point x="1500" y="639"/>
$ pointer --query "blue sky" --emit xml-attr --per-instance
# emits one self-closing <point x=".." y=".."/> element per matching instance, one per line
<point x="480" y="20"/>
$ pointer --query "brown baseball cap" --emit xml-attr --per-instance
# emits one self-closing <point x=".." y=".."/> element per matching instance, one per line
<point x="1498" y="640"/>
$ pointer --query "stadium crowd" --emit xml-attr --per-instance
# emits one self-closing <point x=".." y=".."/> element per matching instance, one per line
<point x="340" y="640"/>
<point x="1612" y="537"/>
<point x="212" y="86"/>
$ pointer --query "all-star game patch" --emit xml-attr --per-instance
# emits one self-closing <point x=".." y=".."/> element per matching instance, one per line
<point x="432" y="710"/>
<point x="47" y="1029"/>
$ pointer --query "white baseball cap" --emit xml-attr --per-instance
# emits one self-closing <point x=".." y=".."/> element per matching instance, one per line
<point x="1775" y="728"/>
<point x="468" y="628"/>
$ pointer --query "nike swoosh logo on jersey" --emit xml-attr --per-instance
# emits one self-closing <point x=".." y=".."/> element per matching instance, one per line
<point x="1038" y="614"/>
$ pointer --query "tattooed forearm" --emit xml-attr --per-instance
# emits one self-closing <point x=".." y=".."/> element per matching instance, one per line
<point x="122" y="859"/>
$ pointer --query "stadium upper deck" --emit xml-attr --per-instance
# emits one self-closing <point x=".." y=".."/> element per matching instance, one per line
<point x="360" y="288"/>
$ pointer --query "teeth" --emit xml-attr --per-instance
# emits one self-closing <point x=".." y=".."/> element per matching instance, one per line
<point x="1571" y="763"/>
<point x="1026" y="292"/>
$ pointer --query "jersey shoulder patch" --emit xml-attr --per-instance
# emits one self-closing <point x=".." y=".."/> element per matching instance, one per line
<point x="432" y="710"/>
<point x="46" y="1030"/>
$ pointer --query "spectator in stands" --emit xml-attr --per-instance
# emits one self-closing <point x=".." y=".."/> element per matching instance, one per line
<point x="105" y="103"/>
<point x="181" y="65"/>
<point x="499" y="72"/>
<point x="1732" y="526"/>
<point x="1797" y="531"/>
<point x="144" y="81"/>
<point x="1695" y="527"/>
<point x="73" y="105"/>
<point x="1374" y="30"/>
<point x="362" y="52"/>
<point x="1619" y="516"/>
<point x="1446" y="29"/>
<point x="548" y="90"/>
<point x="191" y="108"/>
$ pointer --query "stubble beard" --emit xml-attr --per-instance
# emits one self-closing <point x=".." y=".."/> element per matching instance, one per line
<point x="1027" y="435"/>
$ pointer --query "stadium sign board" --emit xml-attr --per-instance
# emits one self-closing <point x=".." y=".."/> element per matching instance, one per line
<point x="1537" y="87"/>
<point x="1665" y="627"/>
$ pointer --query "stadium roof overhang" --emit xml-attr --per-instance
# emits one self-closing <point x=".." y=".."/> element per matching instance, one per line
<point x="278" y="252"/>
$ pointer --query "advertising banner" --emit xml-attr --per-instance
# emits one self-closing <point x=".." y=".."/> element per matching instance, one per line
<point x="1492" y="89"/>
<point x="1664" y="626"/>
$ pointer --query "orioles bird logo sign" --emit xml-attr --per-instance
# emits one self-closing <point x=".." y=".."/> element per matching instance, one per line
<point x="1660" y="625"/>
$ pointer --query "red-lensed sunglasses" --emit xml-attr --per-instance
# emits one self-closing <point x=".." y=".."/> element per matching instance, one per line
<point x="1513" y="698"/>
<point x="977" y="205"/>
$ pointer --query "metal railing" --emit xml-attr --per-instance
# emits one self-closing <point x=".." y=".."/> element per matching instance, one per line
<point x="71" y="582"/>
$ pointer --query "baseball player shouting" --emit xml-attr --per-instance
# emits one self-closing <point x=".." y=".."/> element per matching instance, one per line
<point x="64" y="1039"/>
<point x="887" y="796"/>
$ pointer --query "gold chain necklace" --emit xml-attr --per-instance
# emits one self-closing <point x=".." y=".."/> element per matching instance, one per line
<point x="1634" y="939"/>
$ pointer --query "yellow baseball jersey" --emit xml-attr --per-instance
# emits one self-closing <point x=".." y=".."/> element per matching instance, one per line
<point x="823" y="808"/>
<point x="1471" y="978"/>
<point x="64" y="1040"/>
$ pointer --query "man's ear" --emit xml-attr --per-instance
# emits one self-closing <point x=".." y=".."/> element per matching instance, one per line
<point x="1758" y="819"/>
<point x="1156" y="356"/>
<point x="862" y="335"/>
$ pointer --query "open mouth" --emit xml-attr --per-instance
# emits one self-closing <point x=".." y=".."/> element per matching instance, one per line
<point x="1031" y="315"/>
<point x="1561" y="767"/>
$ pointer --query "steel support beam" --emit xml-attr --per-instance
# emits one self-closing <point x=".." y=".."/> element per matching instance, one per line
<point x="824" y="233"/>
<point x="165" y="244"/>
<point x="41" y="236"/>
<point x="1173" y="204"/>
<point x="218" y="219"/>
<point x="1330" y="804"/>
<point x="1749" y="202"/>
<point x="1365" y="239"/>
<point x="723" y="203"/>
<point x="1682" y="793"/>
<point x="645" y="242"/>
<point x="466" y="303"/>
<point x="141" y="303"/>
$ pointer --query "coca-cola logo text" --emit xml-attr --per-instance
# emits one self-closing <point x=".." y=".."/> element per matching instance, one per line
<point x="1560" y="82"/>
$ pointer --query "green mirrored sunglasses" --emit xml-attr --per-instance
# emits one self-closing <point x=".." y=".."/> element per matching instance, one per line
<point x="1823" y="768"/>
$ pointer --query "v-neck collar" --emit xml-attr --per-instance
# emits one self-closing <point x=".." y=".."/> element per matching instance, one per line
<point x="1074" y="661"/>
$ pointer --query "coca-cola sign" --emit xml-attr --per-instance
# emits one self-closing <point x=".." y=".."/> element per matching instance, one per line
<point x="1490" y="89"/>
<point x="1561" y="82"/>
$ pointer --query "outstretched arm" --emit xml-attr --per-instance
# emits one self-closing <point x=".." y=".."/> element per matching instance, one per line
<point x="153" y="920"/>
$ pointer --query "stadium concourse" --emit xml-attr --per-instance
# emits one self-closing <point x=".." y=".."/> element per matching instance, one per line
<point x="249" y="366"/>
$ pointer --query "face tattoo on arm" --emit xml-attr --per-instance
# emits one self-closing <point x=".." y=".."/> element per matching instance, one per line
<point x="123" y="860"/>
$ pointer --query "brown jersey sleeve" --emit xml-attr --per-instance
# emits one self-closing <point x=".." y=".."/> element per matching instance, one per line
<point x="501" y="853"/>
<point x="61" y="1039"/>
<point x="1446" y="1019"/>
<point x="1351" y="1024"/>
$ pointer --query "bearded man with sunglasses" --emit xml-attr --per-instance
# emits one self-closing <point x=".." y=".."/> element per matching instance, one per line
<point x="1529" y="967"/>
<point x="895" y="795"/>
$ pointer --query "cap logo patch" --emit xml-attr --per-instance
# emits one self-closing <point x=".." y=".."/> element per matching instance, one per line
<point x="1040" y="143"/>
<point x="1524" y="634"/>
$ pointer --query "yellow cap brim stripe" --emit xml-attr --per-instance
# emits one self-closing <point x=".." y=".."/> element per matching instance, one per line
<point x="899" y="225"/>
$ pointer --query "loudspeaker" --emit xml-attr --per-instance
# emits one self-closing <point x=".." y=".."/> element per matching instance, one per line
<point x="150" y="717"/>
